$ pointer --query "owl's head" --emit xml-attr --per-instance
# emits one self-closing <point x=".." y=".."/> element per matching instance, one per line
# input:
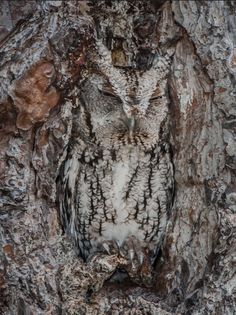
<point x="126" y="105"/>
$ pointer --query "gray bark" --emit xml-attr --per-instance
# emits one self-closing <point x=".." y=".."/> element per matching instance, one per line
<point x="43" y="55"/>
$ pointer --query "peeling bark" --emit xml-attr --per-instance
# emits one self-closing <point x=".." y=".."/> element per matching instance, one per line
<point x="46" y="52"/>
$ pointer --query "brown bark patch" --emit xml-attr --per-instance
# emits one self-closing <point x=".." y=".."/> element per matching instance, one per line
<point x="34" y="96"/>
<point x="9" y="251"/>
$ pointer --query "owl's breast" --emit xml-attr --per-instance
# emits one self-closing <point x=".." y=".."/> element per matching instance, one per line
<point x="125" y="195"/>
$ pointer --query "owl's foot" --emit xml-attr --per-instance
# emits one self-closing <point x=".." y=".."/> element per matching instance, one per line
<point x="138" y="263"/>
<point x="131" y="257"/>
<point x="104" y="266"/>
<point x="109" y="247"/>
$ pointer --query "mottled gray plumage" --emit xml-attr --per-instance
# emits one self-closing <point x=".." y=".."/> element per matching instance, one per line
<point x="117" y="180"/>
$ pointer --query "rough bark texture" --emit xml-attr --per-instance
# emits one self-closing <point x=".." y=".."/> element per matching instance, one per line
<point x="43" y="56"/>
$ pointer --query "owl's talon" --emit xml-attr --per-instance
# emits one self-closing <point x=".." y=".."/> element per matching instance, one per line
<point x="118" y="244"/>
<point x="133" y="266"/>
<point x="138" y="265"/>
<point x="131" y="254"/>
<point x="106" y="248"/>
<point x="122" y="253"/>
<point x="141" y="258"/>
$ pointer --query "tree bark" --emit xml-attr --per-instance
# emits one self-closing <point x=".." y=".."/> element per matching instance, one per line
<point x="45" y="51"/>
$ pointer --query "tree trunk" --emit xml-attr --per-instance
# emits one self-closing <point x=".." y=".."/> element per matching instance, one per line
<point x="46" y="52"/>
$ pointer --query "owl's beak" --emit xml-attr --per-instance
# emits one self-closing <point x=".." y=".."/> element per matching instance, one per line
<point x="132" y="116"/>
<point x="131" y="124"/>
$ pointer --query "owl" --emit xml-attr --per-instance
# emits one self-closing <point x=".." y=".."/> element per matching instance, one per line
<point x="116" y="183"/>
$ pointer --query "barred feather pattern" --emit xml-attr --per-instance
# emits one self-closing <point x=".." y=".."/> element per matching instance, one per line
<point x="116" y="183"/>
